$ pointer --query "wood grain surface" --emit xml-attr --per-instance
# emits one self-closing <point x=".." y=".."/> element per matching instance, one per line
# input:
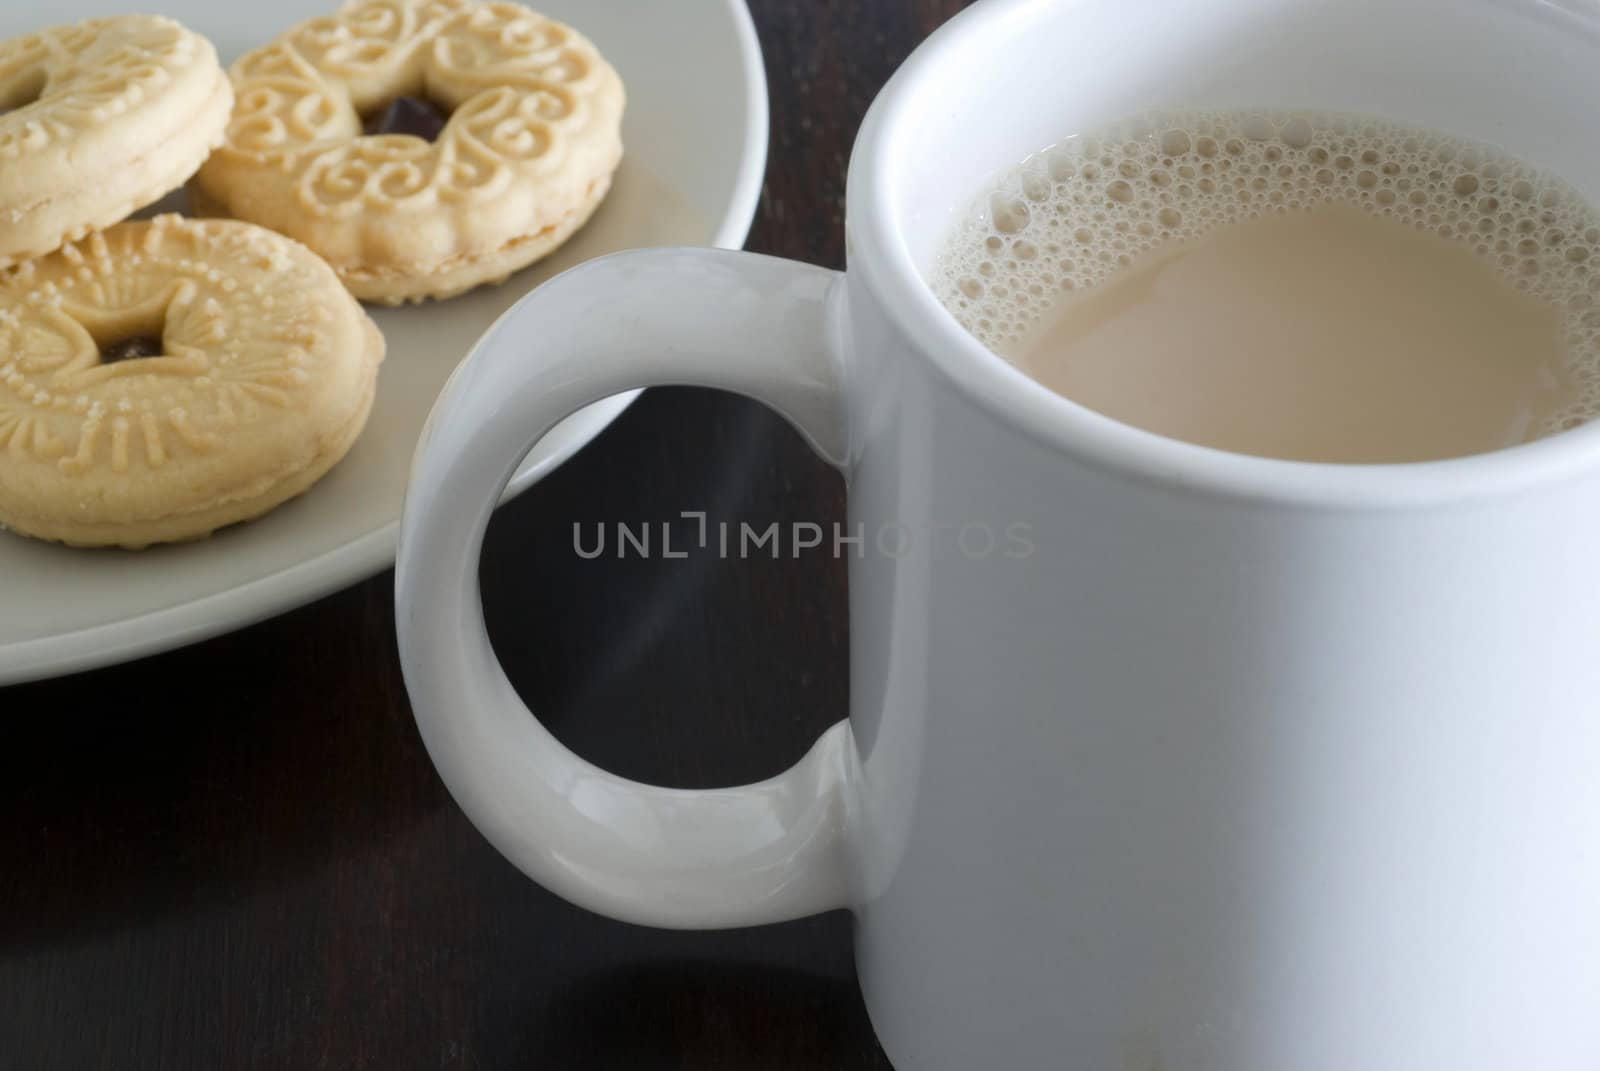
<point x="238" y="855"/>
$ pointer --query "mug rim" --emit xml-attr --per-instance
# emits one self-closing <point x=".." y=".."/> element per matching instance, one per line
<point x="879" y="253"/>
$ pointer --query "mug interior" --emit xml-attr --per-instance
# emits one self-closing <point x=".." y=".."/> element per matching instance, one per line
<point x="1009" y="77"/>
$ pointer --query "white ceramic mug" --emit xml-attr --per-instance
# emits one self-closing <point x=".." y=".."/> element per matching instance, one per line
<point x="1250" y="765"/>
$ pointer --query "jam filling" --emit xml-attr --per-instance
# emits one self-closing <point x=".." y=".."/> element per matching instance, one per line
<point x="132" y="348"/>
<point x="415" y="116"/>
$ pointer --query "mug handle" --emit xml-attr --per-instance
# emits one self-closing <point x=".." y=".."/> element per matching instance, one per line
<point x="758" y="853"/>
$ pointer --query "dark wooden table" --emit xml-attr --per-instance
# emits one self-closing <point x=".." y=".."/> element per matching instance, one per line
<point x="238" y="855"/>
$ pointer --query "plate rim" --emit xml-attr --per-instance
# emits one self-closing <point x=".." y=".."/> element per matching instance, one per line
<point x="362" y="558"/>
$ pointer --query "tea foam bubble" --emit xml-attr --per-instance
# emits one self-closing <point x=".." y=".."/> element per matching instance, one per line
<point x="1068" y="218"/>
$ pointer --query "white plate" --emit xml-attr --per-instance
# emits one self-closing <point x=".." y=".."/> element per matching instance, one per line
<point x="695" y="137"/>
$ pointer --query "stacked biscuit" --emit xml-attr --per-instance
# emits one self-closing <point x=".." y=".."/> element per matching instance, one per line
<point x="161" y="379"/>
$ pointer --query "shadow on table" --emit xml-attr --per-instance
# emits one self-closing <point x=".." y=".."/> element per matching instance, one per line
<point x="151" y="790"/>
<point x="705" y="1016"/>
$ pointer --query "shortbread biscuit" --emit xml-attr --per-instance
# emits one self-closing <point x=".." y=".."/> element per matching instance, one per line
<point x="260" y="376"/>
<point x="100" y="119"/>
<point x="532" y="139"/>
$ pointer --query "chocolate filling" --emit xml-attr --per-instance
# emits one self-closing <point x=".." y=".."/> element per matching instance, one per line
<point x="416" y="116"/>
<point x="132" y="348"/>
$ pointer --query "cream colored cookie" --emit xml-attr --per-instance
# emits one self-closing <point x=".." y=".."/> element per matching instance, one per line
<point x="100" y="119"/>
<point x="531" y="143"/>
<point x="264" y="377"/>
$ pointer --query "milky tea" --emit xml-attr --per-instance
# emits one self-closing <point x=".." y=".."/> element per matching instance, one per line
<point x="1313" y="286"/>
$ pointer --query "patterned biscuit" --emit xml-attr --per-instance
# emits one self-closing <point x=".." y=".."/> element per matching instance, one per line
<point x="264" y="380"/>
<point x="104" y="118"/>
<point x="527" y="154"/>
